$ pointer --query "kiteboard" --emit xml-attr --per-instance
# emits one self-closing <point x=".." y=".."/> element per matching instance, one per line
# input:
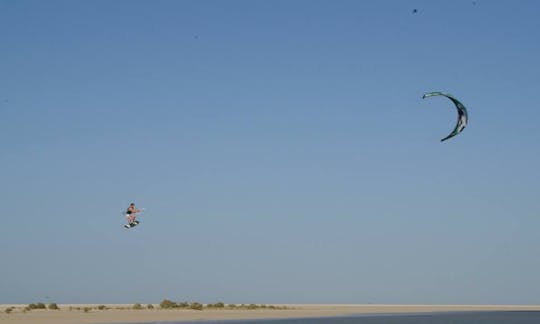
<point x="130" y="225"/>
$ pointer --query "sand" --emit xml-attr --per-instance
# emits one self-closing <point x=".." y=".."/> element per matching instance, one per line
<point x="115" y="315"/>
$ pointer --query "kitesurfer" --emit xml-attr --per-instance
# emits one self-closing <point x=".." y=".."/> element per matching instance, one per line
<point x="131" y="213"/>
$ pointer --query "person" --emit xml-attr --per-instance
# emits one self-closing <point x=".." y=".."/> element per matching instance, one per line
<point x="131" y="213"/>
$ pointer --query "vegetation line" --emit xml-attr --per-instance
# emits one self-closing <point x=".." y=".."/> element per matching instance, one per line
<point x="164" y="304"/>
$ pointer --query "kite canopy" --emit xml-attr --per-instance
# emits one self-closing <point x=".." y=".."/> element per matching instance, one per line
<point x="462" y="113"/>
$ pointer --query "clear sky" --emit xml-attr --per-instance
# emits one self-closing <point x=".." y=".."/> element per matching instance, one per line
<point x="282" y="149"/>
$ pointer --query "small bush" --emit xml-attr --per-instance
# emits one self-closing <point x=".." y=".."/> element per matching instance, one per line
<point x="167" y="304"/>
<point x="150" y="306"/>
<point x="36" y="306"/>
<point x="196" y="306"/>
<point x="102" y="307"/>
<point x="137" y="306"/>
<point x="53" y="306"/>
<point x="231" y="305"/>
<point x="9" y="310"/>
<point x="183" y="305"/>
<point x="216" y="305"/>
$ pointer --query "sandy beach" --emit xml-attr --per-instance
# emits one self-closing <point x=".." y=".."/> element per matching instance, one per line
<point x="77" y="315"/>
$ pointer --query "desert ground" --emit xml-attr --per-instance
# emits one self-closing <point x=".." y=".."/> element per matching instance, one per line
<point x="85" y="314"/>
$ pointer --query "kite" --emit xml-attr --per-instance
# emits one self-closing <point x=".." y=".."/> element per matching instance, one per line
<point x="461" y="110"/>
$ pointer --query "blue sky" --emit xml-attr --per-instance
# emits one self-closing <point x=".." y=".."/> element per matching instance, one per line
<point x="281" y="148"/>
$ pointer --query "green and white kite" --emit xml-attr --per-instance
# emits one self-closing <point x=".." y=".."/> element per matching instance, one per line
<point x="462" y="113"/>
